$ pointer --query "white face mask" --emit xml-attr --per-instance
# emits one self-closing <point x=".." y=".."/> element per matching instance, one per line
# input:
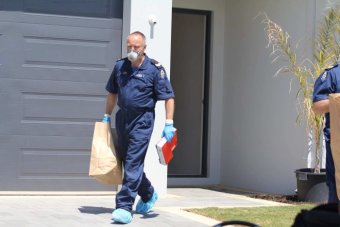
<point x="132" y="56"/>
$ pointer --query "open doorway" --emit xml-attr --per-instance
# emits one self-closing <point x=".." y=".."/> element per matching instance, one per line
<point x="190" y="58"/>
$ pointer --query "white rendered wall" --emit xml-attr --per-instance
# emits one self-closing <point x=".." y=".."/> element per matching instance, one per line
<point x="136" y="18"/>
<point x="263" y="145"/>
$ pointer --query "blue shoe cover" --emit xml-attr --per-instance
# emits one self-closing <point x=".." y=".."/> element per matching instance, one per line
<point x="143" y="208"/>
<point x="121" y="216"/>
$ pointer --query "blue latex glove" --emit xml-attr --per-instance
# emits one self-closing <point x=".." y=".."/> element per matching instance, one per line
<point x="168" y="131"/>
<point x="106" y="118"/>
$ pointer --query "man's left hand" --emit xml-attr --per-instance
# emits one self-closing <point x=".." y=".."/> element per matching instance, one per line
<point x="168" y="131"/>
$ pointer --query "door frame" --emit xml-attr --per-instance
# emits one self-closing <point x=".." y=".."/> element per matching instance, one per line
<point x="206" y="92"/>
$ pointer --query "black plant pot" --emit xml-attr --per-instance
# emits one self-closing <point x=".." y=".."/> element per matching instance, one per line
<point x="311" y="187"/>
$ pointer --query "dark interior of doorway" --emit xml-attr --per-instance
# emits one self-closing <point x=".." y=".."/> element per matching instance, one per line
<point x="191" y="29"/>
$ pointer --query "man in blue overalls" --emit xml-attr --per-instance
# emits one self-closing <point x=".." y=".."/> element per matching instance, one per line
<point x="137" y="82"/>
<point x="327" y="83"/>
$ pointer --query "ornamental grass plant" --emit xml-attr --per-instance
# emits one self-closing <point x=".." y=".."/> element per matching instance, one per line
<point x="326" y="52"/>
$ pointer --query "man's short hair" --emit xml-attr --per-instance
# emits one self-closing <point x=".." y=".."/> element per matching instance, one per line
<point x="141" y="34"/>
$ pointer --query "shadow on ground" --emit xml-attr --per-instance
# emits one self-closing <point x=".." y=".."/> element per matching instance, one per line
<point x="95" y="210"/>
<point x="150" y="215"/>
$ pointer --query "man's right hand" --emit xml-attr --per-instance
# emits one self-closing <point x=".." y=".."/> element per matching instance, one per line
<point x="106" y="118"/>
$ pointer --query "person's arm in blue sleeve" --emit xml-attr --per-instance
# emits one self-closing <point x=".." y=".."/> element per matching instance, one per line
<point x="324" y="86"/>
<point x="111" y="98"/>
<point x="111" y="101"/>
<point x="164" y="91"/>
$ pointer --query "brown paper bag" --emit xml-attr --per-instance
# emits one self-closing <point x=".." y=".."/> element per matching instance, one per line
<point x="334" y="110"/>
<point x="104" y="164"/>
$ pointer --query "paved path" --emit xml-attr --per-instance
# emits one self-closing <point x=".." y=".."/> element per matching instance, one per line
<point x="95" y="210"/>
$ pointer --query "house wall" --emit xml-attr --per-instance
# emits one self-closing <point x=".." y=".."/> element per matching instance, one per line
<point x="254" y="140"/>
<point x="262" y="144"/>
<point x="259" y="143"/>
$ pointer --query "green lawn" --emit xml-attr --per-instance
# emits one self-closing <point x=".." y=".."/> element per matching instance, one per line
<point x="278" y="216"/>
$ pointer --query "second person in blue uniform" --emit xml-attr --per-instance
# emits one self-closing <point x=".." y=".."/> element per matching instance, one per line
<point x="136" y="84"/>
<point x="327" y="83"/>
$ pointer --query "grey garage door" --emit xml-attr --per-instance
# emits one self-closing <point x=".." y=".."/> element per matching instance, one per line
<point x="53" y="71"/>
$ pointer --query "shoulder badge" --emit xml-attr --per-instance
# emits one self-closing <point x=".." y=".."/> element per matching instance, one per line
<point x="323" y="76"/>
<point x="162" y="73"/>
<point x="159" y="67"/>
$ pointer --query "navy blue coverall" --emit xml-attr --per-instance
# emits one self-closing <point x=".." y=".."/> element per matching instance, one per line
<point x="327" y="83"/>
<point x="138" y="90"/>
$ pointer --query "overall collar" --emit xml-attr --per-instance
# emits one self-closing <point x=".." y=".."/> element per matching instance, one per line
<point x="145" y="63"/>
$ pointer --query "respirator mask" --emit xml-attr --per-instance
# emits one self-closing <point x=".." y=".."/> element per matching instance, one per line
<point x="133" y="55"/>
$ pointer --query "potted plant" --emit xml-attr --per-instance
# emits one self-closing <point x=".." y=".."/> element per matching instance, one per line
<point x="326" y="52"/>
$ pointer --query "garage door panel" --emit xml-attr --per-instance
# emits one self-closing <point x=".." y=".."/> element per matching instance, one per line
<point x="66" y="52"/>
<point x="9" y="160"/>
<point x="54" y="157"/>
<point x="67" y="32"/>
<point x="50" y="52"/>
<point x="46" y="163"/>
<point x="41" y="128"/>
<point x="73" y="47"/>
<point x="53" y="71"/>
<point x="42" y="108"/>
<point x="61" y="108"/>
<point x="59" y="87"/>
<point x="29" y="163"/>
<point x="60" y="20"/>
<point x="60" y="73"/>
